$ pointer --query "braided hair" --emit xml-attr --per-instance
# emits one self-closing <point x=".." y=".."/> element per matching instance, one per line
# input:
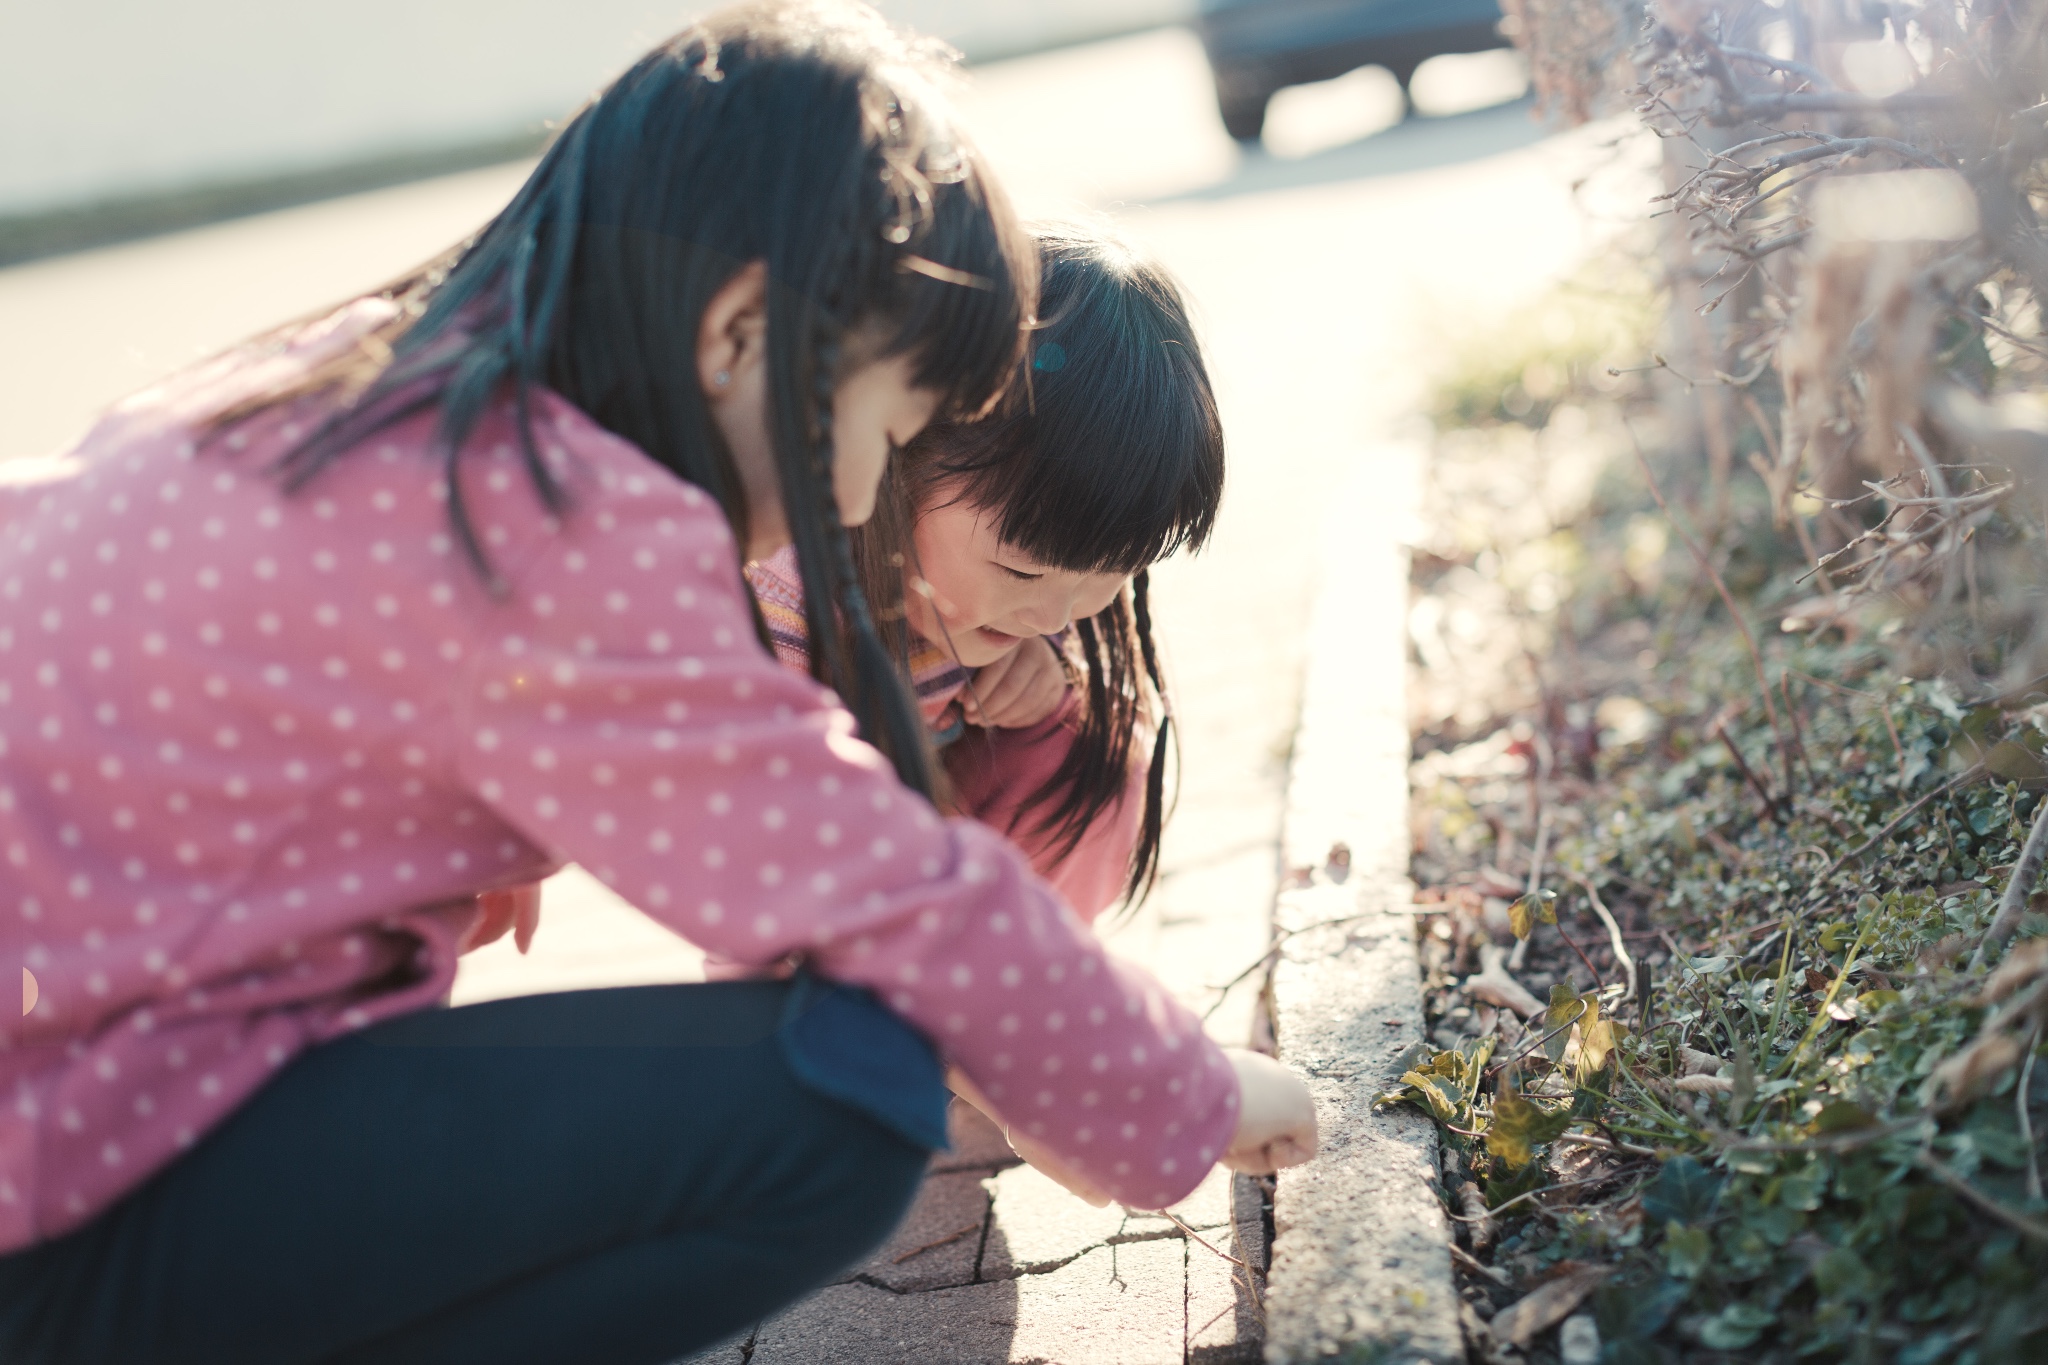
<point x="803" y="134"/>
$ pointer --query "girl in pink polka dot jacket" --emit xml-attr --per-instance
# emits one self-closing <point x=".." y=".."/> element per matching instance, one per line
<point x="305" y="649"/>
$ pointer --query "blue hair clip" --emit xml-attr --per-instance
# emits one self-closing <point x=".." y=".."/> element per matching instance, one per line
<point x="1049" y="357"/>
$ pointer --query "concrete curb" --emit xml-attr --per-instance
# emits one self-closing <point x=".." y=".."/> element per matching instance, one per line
<point x="1361" y="1268"/>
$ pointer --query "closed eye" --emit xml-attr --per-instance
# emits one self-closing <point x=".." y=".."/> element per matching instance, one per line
<point x="1020" y="574"/>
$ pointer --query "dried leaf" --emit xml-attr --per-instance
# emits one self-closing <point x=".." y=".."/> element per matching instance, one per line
<point x="1693" y="1062"/>
<point x="1520" y="1322"/>
<point x="1529" y="910"/>
<point x="2020" y="968"/>
<point x="1705" y="1085"/>
<point x="1596" y="1041"/>
<point x="1565" y="1009"/>
<point x="1520" y="1126"/>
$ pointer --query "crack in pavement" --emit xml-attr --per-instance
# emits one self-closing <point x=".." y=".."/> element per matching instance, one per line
<point x="1018" y="1272"/>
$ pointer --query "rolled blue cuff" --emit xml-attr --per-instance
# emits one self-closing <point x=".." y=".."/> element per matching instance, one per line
<point x="847" y="1046"/>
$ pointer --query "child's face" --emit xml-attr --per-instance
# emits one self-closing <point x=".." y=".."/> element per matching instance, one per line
<point x="875" y="409"/>
<point x="982" y="597"/>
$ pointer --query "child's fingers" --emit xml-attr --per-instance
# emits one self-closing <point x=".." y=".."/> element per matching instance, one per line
<point x="525" y="915"/>
<point x="1019" y="689"/>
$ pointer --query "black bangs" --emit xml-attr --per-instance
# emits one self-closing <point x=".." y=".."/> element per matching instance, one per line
<point x="1110" y="457"/>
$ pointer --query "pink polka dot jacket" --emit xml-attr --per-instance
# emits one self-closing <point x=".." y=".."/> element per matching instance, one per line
<point x="259" y="751"/>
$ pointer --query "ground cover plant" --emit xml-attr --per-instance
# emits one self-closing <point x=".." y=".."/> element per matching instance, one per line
<point x="1730" y="715"/>
<point x="1741" y="1096"/>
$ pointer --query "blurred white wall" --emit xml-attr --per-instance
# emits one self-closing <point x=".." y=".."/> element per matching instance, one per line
<point x="103" y="99"/>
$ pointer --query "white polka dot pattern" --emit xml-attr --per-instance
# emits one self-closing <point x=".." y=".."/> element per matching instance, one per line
<point x="257" y="751"/>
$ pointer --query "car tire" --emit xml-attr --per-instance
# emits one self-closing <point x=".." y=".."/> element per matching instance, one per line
<point x="1242" y="98"/>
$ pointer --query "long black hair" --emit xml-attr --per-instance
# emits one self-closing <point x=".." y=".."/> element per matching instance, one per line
<point x="808" y="136"/>
<point x="1106" y="457"/>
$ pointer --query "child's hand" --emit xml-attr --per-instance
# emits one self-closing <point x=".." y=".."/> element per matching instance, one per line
<point x="514" y="908"/>
<point x="1021" y="688"/>
<point x="1276" y="1118"/>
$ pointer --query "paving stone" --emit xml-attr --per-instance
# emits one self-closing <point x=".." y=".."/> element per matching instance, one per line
<point x="1223" y="1326"/>
<point x="1225" y="1301"/>
<point x="1118" y="1305"/>
<point x="949" y="1206"/>
<point x="1113" y="1306"/>
<point x="1038" y="1225"/>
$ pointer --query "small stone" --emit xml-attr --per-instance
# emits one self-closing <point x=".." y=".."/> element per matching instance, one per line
<point x="1578" y="1341"/>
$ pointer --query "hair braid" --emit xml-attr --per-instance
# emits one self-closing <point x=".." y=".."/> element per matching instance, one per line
<point x="889" y="719"/>
<point x="1145" y="862"/>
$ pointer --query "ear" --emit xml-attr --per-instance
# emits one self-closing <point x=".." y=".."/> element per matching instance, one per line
<point x="732" y="336"/>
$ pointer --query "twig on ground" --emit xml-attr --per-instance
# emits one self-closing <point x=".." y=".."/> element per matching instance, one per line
<point x="1477" y="1220"/>
<point x="1621" y="956"/>
<point x="1493" y="984"/>
<point x="1607" y="1144"/>
<point x="2020" y="1102"/>
<point x="1273" y="950"/>
<point x="947" y="1240"/>
<point x="1874" y="840"/>
<point x="1546" y="1189"/>
<point x="1251" y="1283"/>
<point x="1599" y="982"/>
<point x="1764" y="794"/>
<point x="1840" y="1142"/>
<point x="1479" y="1267"/>
<point x="2013" y="1219"/>
<point x="2019" y="888"/>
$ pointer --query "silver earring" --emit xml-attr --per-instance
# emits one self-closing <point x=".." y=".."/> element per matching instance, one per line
<point x="722" y="378"/>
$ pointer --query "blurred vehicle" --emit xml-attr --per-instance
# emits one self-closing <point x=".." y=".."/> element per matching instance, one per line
<point x="1259" y="46"/>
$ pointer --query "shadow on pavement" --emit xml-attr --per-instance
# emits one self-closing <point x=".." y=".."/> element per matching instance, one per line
<point x="1415" y="145"/>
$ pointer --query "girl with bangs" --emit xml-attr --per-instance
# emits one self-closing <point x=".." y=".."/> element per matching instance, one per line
<point x="1010" y="559"/>
<point x="309" y="650"/>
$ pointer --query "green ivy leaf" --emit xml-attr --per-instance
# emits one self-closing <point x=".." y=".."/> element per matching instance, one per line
<point x="1802" y="1190"/>
<point x="1683" y="1192"/>
<point x="1840" y="1116"/>
<point x="1687" y="1250"/>
<point x="1629" y="1313"/>
<point x="1736" y="1326"/>
<point x="1841" y="1274"/>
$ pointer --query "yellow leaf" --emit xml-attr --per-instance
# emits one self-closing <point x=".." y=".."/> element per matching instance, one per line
<point x="1519" y="1127"/>
<point x="1596" y="1039"/>
<point x="1565" y="1008"/>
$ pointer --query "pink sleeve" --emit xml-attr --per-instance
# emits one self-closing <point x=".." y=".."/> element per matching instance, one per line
<point x="995" y="772"/>
<point x="636" y="726"/>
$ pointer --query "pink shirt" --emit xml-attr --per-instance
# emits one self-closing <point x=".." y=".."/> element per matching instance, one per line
<point x="994" y="771"/>
<point x="258" y="752"/>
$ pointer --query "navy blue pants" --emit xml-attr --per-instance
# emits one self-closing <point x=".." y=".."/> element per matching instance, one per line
<point x="599" y="1177"/>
